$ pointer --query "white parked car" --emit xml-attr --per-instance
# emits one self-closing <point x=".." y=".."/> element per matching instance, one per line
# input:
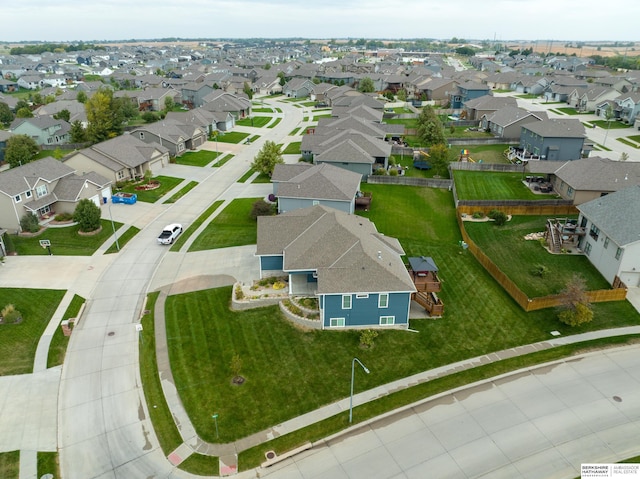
<point x="170" y="233"/>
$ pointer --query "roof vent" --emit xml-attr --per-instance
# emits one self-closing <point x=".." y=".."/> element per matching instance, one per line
<point x="626" y="177"/>
<point x="379" y="254"/>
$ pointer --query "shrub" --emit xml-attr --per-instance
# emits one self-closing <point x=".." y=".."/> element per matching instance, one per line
<point x="499" y="218"/>
<point x="477" y="215"/>
<point x="261" y="208"/>
<point x="272" y="198"/>
<point x="540" y="270"/>
<point x="64" y="217"/>
<point x="581" y="313"/>
<point x="380" y="172"/>
<point x="149" y="117"/>
<point x="393" y="172"/>
<point x="10" y="314"/>
<point x="239" y="293"/>
<point x="87" y="215"/>
<point x="367" y="337"/>
<point x="29" y="223"/>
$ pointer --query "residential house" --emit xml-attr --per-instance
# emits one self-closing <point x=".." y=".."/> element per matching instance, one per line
<point x="554" y="140"/>
<point x="485" y="105"/>
<point x="193" y="94"/>
<point x="356" y="273"/>
<point x="434" y="89"/>
<point x="7" y="86"/>
<point x="221" y="101"/>
<point x="76" y="110"/>
<point x="302" y="185"/>
<point x="206" y="120"/>
<point x="44" y="187"/>
<point x="467" y="91"/>
<point x="172" y="134"/>
<point x="316" y="144"/>
<point x="590" y="178"/>
<point x="153" y="99"/>
<point x="628" y="107"/>
<point x="298" y="88"/>
<point x="4" y="136"/>
<point x="612" y="242"/>
<point x="588" y="99"/>
<point x="31" y="81"/>
<point x="507" y="122"/>
<point x="122" y="158"/>
<point x="45" y="130"/>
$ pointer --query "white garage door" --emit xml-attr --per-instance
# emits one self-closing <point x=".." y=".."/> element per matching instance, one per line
<point x="106" y="192"/>
<point x="96" y="199"/>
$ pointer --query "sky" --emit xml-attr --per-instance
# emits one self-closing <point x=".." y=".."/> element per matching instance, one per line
<point x="74" y="20"/>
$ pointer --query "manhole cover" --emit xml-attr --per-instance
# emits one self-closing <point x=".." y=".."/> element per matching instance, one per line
<point x="270" y="454"/>
<point x="617" y="398"/>
<point x="111" y="333"/>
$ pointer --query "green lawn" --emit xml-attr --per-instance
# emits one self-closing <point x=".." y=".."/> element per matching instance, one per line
<point x="518" y="257"/>
<point x="65" y="241"/>
<point x="324" y="115"/>
<point x="123" y="239"/>
<point x="10" y="465"/>
<point x="183" y="191"/>
<point x="485" y="153"/>
<point x="232" y="137"/>
<point x="401" y="110"/>
<point x="568" y="111"/>
<point x="275" y="123"/>
<point x="294" y="131"/>
<point x="627" y="142"/>
<point x="611" y="125"/>
<point x="256" y="121"/>
<point x="232" y="227"/>
<point x="197" y="158"/>
<point x="290" y="372"/>
<point x="222" y="160"/>
<point x="186" y="234"/>
<point x="48" y="464"/>
<point x="489" y="185"/>
<point x="262" y="110"/>
<point x="292" y="148"/>
<point x="407" y="161"/>
<point x="167" y="183"/>
<point x="246" y="176"/>
<point x="528" y="96"/>
<point x="59" y="342"/>
<point x="18" y="342"/>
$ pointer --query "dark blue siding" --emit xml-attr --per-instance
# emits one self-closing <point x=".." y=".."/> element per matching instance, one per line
<point x="365" y="311"/>
<point x="269" y="263"/>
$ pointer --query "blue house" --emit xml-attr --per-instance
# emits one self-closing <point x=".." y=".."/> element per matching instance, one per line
<point x="356" y="273"/>
<point x="467" y="91"/>
<point x="553" y="140"/>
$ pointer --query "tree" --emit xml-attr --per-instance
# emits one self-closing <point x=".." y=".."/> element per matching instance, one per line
<point x="169" y="103"/>
<point x="575" y="308"/>
<point x="24" y="113"/>
<point x="439" y="158"/>
<point x="63" y="115"/>
<point x="261" y="208"/>
<point x="267" y="66"/>
<point x="247" y="90"/>
<point x="6" y="115"/>
<point x="20" y="149"/>
<point x="267" y="158"/>
<point x="402" y="95"/>
<point x="22" y="103"/>
<point x="77" y="132"/>
<point x="624" y="156"/>
<point x="366" y="85"/>
<point x="87" y="215"/>
<point x="126" y="108"/>
<point x="429" y="127"/>
<point x="283" y="80"/>
<point x="29" y="223"/>
<point x="105" y="119"/>
<point x="81" y="96"/>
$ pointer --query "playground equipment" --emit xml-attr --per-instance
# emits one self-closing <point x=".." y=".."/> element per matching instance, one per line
<point x="465" y="156"/>
<point x="419" y="160"/>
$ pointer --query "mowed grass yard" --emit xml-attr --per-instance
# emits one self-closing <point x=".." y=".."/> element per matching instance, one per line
<point x="517" y="257"/>
<point x="290" y="372"/>
<point x="197" y="158"/>
<point x="482" y="185"/>
<point x="167" y="183"/>
<point x="232" y="227"/>
<point x="18" y="342"/>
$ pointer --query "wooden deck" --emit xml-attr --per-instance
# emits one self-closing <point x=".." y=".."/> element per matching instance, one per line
<point x="430" y="302"/>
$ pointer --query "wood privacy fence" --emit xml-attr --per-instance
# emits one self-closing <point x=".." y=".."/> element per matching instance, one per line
<point x="409" y="181"/>
<point x="526" y="303"/>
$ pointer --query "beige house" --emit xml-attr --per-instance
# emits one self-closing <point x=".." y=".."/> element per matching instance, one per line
<point x="46" y="187"/>
<point x="120" y="159"/>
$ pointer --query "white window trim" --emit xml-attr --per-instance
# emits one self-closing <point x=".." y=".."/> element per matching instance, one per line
<point x="380" y="296"/>
<point x="387" y="318"/>
<point x="337" y="320"/>
<point x="17" y="199"/>
<point x="39" y="194"/>
<point x="344" y="296"/>
<point x="27" y="193"/>
<point x="362" y="295"/>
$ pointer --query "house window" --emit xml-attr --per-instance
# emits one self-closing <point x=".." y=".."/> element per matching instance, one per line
<point x="17" y="198"/>
<point x="569" y="190"/>
<point x="594" y="232"/>
<point x="618" y="253"/>
<point x="180" y="146"/>
<point x="27" y="193"/>
<point x="142" y="135"/>
<point x="316" y="202"/>
<point x="587" y="248"/>
<point x="346" y="301"/>
<point x="606" y="243"/>
<point x="121" y="174"/>
<point x="362" y="296"/>
<point x="387" y="320"/>
<point x="383" y="300"/>
<point x="336" y="322"/>
<point x="41" y="191"/>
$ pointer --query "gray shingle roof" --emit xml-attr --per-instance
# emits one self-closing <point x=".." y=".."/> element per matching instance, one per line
<point x="345" y="151"/>
<point x="558" y="128"/>
<point x="599" y="174"/>
<point x="122" y="151"/>
<point x="23" y="178"/>
<point x="509" y="114"/>
<point x="614" y="216"/>
<point x="346" y="250"/>
<point x="322" y="182"/>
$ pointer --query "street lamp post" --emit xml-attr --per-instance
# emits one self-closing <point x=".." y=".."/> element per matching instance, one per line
<point x="353" y="365"/>
<point x="113" y="226"/>
<point x="215" y="418"/>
